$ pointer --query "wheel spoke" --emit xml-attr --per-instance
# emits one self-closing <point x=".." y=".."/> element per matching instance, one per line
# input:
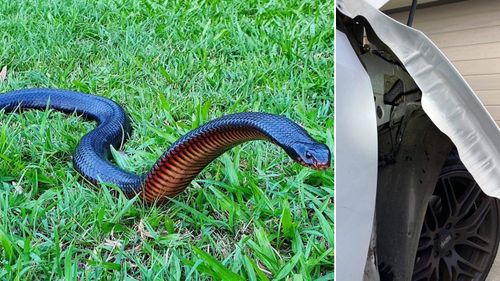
<point x="424" y="243"/>
<point x="472" y="223"/>
<point x="481" y="237"/>
<point x="426" y="230"/>
<point x="423" y="269"/>
<point x="432" y="212"/>
<point x="482" y="211"/>
<point x="469" y="199"/>
<point x="468" y="264"/>
<point x="423" y="262"/>
<point x="462" y="272"/>
<point x="449" y="270"/>
<point x="436" y="270"/>
<point x="475" y="245"/>
<point x="451" y="198"/>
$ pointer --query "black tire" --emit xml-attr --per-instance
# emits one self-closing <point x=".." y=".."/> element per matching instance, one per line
<point x="460" y="235"/>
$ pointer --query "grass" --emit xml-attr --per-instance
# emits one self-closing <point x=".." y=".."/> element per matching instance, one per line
<point x="253" y="214"/>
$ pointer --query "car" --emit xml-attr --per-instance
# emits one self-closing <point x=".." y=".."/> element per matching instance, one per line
<point x="417" y="158"/>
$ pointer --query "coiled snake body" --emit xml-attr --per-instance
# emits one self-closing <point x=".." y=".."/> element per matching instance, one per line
<point x="182" y="162"/>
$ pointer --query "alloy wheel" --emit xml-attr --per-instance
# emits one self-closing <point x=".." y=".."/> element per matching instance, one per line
<point x="459" y="237"/>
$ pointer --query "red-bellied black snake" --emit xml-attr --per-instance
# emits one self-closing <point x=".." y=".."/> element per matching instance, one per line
<point x="184" y="160"/>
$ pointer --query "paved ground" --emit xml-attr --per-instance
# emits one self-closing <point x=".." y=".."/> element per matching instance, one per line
<point x="495" y="270"/>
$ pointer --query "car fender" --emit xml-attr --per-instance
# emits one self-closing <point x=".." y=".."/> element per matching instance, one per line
<point x="446" y="98"/>
<point x="356" y="176"/>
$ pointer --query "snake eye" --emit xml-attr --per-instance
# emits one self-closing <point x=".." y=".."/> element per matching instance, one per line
<point x="309" y="155"/>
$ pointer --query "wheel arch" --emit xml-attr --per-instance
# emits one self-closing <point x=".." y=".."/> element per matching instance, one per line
<point x="404" y="189"/>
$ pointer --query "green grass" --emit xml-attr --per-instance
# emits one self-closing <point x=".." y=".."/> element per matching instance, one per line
<point x="253" y="214"/>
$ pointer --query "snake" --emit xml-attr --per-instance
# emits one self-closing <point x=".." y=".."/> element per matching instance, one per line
<point x="182" y="161"/>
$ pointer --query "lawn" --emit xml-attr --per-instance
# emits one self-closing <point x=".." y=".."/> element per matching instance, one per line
<point x="253" y="214"/>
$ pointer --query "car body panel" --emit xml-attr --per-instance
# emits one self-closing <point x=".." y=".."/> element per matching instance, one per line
<point x="446" y="98"/>
<point x="377" y="3"/>
<point x="356" y="177"/>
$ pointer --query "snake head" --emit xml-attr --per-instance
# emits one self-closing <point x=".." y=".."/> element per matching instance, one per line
<point x="311" y="155"/>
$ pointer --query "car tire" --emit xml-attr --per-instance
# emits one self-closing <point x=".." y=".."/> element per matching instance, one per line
<point x="461" y="230"/>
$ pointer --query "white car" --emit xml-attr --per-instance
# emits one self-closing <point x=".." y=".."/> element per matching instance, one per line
<point x="417" y="158"/>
